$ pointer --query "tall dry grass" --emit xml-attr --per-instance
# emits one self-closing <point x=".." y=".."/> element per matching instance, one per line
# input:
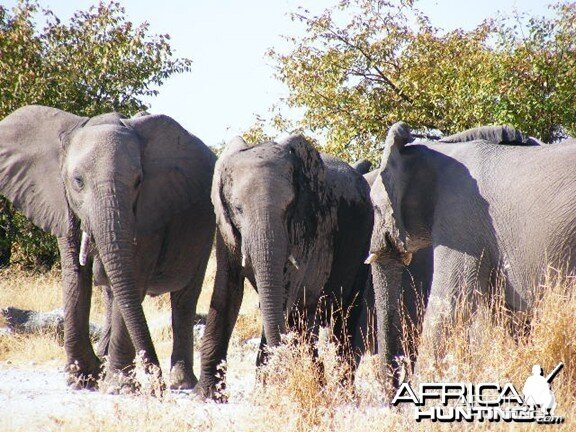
<point x="297" y="396"/>
<point x="43" y="292"/>
<point x="486" y="343"/>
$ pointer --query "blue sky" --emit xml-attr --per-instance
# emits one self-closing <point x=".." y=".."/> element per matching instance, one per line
<point x="231" y="79"/>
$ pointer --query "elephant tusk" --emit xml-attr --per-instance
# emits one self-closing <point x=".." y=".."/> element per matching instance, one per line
<point x="243" y="260"/>
<point x="84" y="246"/>
<point x="293" y="261"/>
<point x="371" y="258"/>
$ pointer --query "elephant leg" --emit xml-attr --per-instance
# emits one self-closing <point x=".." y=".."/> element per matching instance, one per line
<point x="183" y="314"/>
<point x="184" y="304"/>
<point x="222" y="316"/>
<point x="456" y="277"/>
<point x="83" y="364"/>
<point x="311" y="325"/>
<point x="355" y="320"/>
<point x="121" y="352"/>
<point x="364" y="330"/>
<point x="103" y="344"/>
<point x="342" y="323"/>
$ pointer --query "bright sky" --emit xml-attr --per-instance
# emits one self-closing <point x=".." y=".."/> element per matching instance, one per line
<point x="231" y="79"/>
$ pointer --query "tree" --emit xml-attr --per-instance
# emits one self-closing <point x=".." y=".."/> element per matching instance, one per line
<point x="536" y="73"/>
<point x="364" y="64"/>
<point x="95" y="63"/>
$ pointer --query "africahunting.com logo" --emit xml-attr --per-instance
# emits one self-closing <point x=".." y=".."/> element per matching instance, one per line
<point x="491" y="402"/>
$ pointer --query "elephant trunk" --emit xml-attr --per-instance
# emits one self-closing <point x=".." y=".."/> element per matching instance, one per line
<point x="267" y="248"/>
<point x="114" y="238"/>
<point x="387" y="281"/>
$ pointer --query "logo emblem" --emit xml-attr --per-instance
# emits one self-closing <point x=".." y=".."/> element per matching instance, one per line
<point x="491" y="402"/>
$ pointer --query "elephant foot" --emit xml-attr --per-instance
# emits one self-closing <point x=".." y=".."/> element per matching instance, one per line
<point x="119" y="383"/>
<point x="83" y="378"/>
<point x="133" y="381"/>
<point x="181" y="377"/>
<point x="215" y="392"/>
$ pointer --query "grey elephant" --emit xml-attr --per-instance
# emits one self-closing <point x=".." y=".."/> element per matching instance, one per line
<point x="131" y="197"/>
<point x="295" y="223"/>
<point x="491" y="202"/>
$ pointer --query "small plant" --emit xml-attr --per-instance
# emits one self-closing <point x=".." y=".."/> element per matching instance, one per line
<point x="144" y="379"/>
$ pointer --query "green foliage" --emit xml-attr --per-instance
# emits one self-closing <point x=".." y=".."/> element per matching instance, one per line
<point x="363" y="65"/>
<point x="537" y="73"/>
<point x="97" y="62"/>
<point x="256" y="133"/>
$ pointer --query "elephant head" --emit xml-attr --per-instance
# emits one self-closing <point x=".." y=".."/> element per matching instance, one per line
<point x="270" y="207"/>
<point x="389" y="237"/>
<point x="396" y="203"/>
<point x="116" y="178"/>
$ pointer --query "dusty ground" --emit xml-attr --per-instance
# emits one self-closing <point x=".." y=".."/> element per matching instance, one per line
<point x="35" y="397"/>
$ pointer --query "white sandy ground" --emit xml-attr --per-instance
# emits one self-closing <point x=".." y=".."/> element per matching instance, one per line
<point x="36" y="398"/>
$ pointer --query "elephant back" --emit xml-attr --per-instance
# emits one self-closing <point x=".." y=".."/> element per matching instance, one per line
<point x="507" y="135"/>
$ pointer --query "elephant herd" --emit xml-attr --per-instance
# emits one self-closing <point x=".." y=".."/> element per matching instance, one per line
<point x="135" y="204"/>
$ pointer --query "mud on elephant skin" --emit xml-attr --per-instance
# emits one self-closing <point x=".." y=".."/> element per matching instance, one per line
<point x="137" y="191"/>
<point x="488" y="211"/>
<point x="295" y="223"/>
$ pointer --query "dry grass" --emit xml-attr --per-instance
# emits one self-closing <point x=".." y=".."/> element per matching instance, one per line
<point x="478" y="347"/>
<point x="30" y="350"/>
<point x="42" y="292"/>
<point x="37" y="291"/>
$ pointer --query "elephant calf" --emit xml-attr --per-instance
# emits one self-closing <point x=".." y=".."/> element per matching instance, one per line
<point x="297" y="224"/>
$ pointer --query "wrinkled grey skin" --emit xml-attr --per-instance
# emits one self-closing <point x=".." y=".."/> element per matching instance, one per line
<point x="487" y="210"/>
<point x="141" y="189"/>
<point x="295" y="223"/>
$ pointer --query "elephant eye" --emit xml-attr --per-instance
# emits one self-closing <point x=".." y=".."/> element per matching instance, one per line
<point x="138" y="182"/>
<point x="79" y="182"/>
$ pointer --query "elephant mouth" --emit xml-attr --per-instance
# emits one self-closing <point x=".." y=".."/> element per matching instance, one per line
<point x="398" y="249"/>
<point x="394" y="249"/>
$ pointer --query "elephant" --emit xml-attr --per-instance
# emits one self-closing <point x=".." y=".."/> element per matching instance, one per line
<point x="494" y="206"/>
<point x="129" y="203"/>
<point x="295" y="223"/>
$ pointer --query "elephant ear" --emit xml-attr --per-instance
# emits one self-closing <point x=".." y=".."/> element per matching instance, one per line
<point x="223" y="221"/>
<point x="177" y="170"/>
<point x="30" y="164"/>
<point x="388" y="191"/>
